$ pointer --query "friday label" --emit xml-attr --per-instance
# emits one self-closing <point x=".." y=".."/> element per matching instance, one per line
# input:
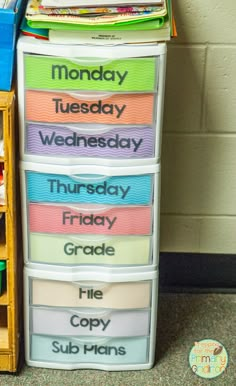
<point x="71" y="219"/>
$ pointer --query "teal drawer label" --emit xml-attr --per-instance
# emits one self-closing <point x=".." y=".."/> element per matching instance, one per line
<point x="115" y="350"/>
<point x="104" y="189"/>
<point x="73" y="188"/>
<point x="94" y="349"/>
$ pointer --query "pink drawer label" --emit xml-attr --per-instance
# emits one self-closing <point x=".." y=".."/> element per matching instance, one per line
<point x="90" y="219"/>
<point x="55" y="107"/>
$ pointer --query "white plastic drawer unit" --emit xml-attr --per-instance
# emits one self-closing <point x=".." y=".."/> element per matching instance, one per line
<point x="107" y="323"/>
<point x="64" y="223"/>
<point x="72" y="104"/>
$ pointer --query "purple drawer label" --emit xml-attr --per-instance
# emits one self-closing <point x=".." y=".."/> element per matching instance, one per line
<point x="129" y="142"/>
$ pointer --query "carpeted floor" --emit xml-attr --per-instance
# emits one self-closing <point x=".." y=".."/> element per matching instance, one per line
<point x="183" y="319"/>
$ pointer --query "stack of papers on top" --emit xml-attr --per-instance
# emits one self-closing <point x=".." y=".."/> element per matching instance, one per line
<point x="95" y="22"/>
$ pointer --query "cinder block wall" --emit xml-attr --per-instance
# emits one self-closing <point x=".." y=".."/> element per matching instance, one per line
<point x="198" y="201"/>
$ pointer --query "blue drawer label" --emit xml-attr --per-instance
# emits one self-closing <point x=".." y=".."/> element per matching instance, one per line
<point x="119" y="351"/>
<point x="113" y="190"/>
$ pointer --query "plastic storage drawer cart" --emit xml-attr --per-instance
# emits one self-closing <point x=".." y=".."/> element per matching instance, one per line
<point x="90" y="130"/>
<point x="105" y="109"/>
<point x="82" y="320"/>
<point x="91" y="215"/>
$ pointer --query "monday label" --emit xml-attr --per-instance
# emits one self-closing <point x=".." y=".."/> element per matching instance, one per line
<point x="48" y="72"/>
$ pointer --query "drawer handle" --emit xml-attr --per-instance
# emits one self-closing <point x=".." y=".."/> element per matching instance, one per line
<point x="86" y="130"/>
<point x="100" y="314"/>
<point x="90" y="177"/>
<point x="90" y="97"/>
<point x="90" y="61"/>
<point x="97" y="340"/>
<point x="97" y="209"/>
<point x="75" y="238"/>
<point x="91" y="285"/>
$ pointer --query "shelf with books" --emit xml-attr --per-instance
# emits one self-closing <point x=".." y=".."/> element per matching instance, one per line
<point x="9" y="249"/>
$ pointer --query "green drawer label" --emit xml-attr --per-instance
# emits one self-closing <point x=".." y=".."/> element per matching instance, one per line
<point x="47" y="72"/>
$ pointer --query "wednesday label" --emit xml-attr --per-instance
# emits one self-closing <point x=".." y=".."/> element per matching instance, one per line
<point x="74" y="140"/>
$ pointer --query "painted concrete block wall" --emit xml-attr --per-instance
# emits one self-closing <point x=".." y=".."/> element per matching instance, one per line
<point x="198" y="202"/>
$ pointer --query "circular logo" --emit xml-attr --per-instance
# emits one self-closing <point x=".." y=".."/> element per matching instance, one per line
<point x="208" y="358"/>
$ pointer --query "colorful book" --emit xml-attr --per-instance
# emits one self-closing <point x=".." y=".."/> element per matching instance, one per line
<point x="91" y="3"/>
<point x="139" y="26"/>
<point x="113" y="15"/>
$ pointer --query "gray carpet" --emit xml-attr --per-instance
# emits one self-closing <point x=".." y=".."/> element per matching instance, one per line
<point x="183" y="319"/>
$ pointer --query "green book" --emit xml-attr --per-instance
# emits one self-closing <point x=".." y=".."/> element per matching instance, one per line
<point x="124" y="26"/>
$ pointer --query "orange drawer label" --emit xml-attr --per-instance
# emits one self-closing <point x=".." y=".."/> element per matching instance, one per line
<point x="54" y="107"/>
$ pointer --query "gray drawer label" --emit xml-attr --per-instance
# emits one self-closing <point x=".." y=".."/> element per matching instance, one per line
<point x="91" y="323"/>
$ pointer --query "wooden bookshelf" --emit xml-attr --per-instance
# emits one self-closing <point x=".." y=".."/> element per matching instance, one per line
<point x="9" y="247"/>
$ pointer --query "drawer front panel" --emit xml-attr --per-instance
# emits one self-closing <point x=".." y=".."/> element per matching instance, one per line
<point x="125" y="295"/>
<point x="73" y="250"/>
<point x="69" y="141"/>
<point x="90" y="219"/>
<point x="48" y="72"/>
<point x="71" y="350"/>
<point x="117" y="190"/>
<point x="54" y="321"/>
<point x="53" y="107"/>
